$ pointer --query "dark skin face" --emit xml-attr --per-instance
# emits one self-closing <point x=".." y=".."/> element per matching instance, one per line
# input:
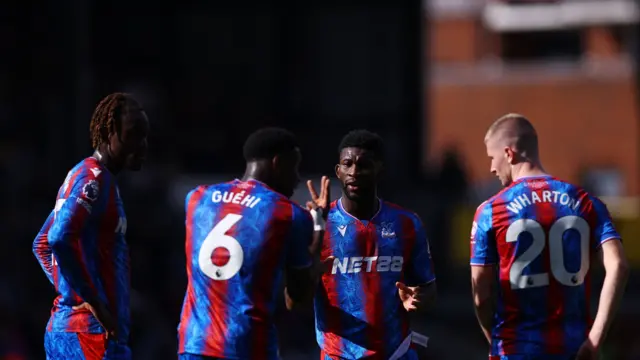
<point x="358" y="172"/>
<point x="128" y="147"/>
<point x="286" y="176"/>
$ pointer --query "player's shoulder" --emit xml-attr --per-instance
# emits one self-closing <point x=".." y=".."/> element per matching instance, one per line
<point x="86" y="170"/>
<point x="515" y="189"/>
<point x="334" y="208"/>
<point x="282" y="207"/>
<point x="394" y="213"/>
<point x="201" y="191"/>
<point x="575" y="191"/>
<point x="235" y="186"/>
<point x="87" y="181"/>
<point x="269" y="196"/>
<point x="88" y="177"/>
<point x="485" y="208"/>
<point x="554" y="187"/>
<point x="556" y="184"/>
<point x="337" y="214"/>
<point x="390" y="209"/>
<point x="486" y="205"/>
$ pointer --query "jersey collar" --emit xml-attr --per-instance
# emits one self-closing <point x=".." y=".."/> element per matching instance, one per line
<point x="345" y="212"/>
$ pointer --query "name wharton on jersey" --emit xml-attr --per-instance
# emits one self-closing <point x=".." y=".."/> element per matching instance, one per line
<point x="545" y="196"/>
<point x="356" y="264"/>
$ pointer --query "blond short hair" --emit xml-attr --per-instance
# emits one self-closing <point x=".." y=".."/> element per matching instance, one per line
<point x="517" y="131"/>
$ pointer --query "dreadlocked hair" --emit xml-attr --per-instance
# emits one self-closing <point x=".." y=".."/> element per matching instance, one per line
<point x="106" y="118"/>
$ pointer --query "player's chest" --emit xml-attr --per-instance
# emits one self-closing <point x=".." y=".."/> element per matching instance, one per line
<point x="366" y="247"/>
<point x="359" y="238"/>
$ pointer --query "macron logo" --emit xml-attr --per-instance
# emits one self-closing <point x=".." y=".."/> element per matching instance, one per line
<point x="342" y="229"/>
<point x="96" y="172"/>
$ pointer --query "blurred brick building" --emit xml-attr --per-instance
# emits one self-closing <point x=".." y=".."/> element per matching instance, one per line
<point x="564" y="64"/>
<point x="567" y="65"/>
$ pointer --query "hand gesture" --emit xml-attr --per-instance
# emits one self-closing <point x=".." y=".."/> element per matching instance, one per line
<point x="321" y="201"/>
<point x="102" y="314"/>
<point x="409" y="295"/>
<point x="326" y="265"/>
<point x="587" y="351"/>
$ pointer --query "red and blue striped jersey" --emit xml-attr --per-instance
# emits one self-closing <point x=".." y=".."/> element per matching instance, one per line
<point x="542" y="234"/>
<point x="358" y="310"/>
<point x="83" y="252"/>
<point x="241" y="236"/>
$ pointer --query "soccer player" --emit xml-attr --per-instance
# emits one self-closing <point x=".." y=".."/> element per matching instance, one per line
<point x="382" y="266"/>
<point x="241" y="237"/>
<point x="532" y="246"/>
<point x="82" y="247"/>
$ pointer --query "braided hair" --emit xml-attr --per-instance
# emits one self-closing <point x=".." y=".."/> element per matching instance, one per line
<point x="107" y="117"/>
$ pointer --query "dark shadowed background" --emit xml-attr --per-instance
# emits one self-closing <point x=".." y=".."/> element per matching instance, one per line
<point x="428" y="76"/>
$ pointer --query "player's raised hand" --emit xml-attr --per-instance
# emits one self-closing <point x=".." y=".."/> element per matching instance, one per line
<point x="321" y="201"/>
<point x="322" y="267"/>
<point x="103" y="315"/>
<point x="409" y="295"/>
<point x="327" y="264"/>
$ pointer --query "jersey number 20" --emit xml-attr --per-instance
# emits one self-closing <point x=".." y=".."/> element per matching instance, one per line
<point x="556" y="252"/>
<point x="218" y="239"/>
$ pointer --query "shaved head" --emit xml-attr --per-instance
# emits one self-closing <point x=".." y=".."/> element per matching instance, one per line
<point x="512" y="143"/>
<point x="517" y="132"/>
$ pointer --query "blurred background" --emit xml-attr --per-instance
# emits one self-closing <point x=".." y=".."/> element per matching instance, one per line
<point x="429" y="76"/>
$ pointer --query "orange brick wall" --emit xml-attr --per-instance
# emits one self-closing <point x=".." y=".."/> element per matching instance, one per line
<point x="581" y="123"/>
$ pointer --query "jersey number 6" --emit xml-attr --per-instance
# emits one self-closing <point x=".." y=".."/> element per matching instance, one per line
<point x="556" y="252"/>
<point x="218" y="239"/>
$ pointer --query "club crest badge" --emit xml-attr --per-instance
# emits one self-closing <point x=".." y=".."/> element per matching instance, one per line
<point x="91" y="190"/>
<point x="387" y="230"/>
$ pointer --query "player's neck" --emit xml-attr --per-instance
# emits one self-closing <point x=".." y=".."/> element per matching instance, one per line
<point x="528" y="169"/>
<point x="104" y="157"/>
<point x="363" y="209"/>
<point x="255" y="172"/>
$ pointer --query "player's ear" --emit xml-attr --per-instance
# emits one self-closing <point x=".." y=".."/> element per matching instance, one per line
<point x="337" y="168"/>
<point x="275" y="162"/>
<point x="110" y="139"/>
<point x="510" y="155"/>
<point x="379" y="167"/>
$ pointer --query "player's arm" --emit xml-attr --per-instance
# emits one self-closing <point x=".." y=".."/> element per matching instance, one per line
<point x="65" y="236"/>
<point x="42" y="250"/>
<point x="483" y="271"/>
<point x="616" y="273"/>
<point x="299" y="265"/>
<point x="482" y="287"/>
<point x="420" y="273"/>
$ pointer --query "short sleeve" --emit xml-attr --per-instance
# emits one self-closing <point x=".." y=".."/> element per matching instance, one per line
<point x="298" y="255"/>
<point x="483" y="244"/>
<point x="604" y="230"/>
<point x="421" y="270"/>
